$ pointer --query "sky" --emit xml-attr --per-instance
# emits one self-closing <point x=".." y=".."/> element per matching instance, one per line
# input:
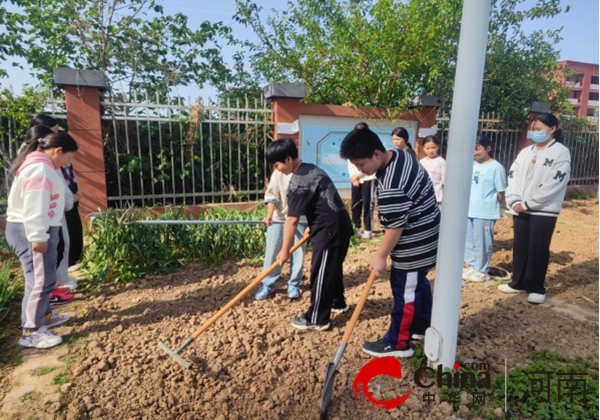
<point x="580" y="32"/>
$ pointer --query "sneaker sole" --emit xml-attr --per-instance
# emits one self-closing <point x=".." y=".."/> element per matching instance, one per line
<point x="396" y="353"/>
<point x="340" y="310"/>
<point x="419" y="337"/>
<point x="312" y="327"/>
<point x="61" y="302"/>
<point x="512" y="291"/>
<point x="47" y="345"/>
<point x="477" y="280"/>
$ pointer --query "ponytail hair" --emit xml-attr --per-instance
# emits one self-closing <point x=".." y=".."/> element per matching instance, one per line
<point x="551" y="121"/>
<point x="485" y="142"/>
<point x="49" y="141"/>
<point x="402" y="133"/>
<point x="43" y="119"/>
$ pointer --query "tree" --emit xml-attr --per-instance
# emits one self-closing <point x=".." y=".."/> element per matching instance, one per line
<point x="137" y="46"/>
<point x="383" y="52"/>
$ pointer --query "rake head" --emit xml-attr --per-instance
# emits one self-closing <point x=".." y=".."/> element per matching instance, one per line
<point x="175" y="356"/>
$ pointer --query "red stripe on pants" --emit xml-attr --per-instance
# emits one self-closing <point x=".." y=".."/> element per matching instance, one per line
<point x="407" y="318"/>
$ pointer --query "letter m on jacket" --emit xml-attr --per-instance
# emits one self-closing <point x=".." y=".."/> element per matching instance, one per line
<point x="548" y="162"/>
<point x="560" y="176"/>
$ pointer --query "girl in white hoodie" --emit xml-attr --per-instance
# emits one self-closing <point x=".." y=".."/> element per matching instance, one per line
<point x="537" y="182"/>
<point x="35" y="209"/>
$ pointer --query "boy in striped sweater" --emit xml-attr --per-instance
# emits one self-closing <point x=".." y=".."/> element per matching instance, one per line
<point x="410" y="215"/>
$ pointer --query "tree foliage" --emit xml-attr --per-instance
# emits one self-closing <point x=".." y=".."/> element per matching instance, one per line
<point x="137" y="46"/>
<point x="383" y="52"/>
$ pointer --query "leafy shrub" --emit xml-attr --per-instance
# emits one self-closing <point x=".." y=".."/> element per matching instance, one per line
<point x="121" y="253"/>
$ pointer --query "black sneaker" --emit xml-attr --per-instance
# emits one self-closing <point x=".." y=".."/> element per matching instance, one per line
<point x="302" y="324"/>
<point x="380" y="349"/>
<point x="340" y="310"/>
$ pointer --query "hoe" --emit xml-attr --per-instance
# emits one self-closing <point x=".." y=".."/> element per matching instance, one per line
<point x="175" y="353"/>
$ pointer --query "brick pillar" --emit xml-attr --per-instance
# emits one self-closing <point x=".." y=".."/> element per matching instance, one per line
<point x="83" y="118"/>
<point x="285" y="101"/>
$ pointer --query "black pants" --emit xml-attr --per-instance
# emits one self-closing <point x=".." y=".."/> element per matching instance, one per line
<point x="326" y="283"/>
<point x="531" y="251"/>
<point x="361" y="200"/>
<point x="75" y="235"/>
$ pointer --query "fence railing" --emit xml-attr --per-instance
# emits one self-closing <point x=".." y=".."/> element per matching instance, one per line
<point x="503" y="136"/>
<point x="191" y="153"/>
<point x="175" y="153"/>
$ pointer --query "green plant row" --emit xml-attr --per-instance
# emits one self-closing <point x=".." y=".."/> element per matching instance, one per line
<point x="122" y="253"/>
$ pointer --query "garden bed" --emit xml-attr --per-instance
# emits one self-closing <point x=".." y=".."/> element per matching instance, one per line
<point x="253" y="364"/>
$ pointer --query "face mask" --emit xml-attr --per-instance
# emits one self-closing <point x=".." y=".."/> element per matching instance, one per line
<point x="537" y="136"/>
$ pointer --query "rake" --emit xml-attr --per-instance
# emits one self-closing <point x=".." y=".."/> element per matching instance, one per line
<point x="331" y="371"/>
<point x="175" y="353"/>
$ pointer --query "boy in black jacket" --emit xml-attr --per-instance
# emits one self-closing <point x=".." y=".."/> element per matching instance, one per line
<point x="312" y="194"/>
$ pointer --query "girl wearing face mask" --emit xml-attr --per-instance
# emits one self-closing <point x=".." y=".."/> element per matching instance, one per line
<point x="537" y="182"/>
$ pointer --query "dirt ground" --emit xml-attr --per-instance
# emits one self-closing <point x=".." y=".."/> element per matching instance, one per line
<point x="253" y="364"/>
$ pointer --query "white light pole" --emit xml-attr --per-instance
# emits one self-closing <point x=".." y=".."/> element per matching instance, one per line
<point x="440" y="339"/>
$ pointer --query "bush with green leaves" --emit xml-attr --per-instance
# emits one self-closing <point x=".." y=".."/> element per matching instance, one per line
<point x="119" y="252"/>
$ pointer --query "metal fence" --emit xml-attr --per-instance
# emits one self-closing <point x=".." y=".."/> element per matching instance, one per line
<point x="503" y="136"/>
<point x="191" y="153"/>
<point x="175" y="153"/>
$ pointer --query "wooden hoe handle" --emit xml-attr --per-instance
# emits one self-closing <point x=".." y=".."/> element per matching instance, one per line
<point x="244" y="292"/>
<point x="359" y="307"/>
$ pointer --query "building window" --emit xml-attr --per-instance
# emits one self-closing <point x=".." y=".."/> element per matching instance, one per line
<point x="594" y="80"/>
<point x="591" y="112"/>
<point x="593" y="96"/>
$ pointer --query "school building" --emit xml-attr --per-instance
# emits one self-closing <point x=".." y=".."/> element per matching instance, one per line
<point x="583" y="88"/>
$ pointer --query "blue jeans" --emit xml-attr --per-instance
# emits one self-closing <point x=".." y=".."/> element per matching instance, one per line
<point x="479" y="246"/>
<point x="274" y="242"/>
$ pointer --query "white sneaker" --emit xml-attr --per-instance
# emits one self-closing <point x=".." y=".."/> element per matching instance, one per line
<point x="536" y="298"/>
<point x="40" y="339"/>
<point x="505" y="288"/>
<point x="71" y="284"/>
<point x="420" y="337"/>
<point x="359" y="231"/>
<point x="478" y="277"/>
<point x="73" y="268"/>
<point x="366" y="235"/>
<point x="468" y="272"/>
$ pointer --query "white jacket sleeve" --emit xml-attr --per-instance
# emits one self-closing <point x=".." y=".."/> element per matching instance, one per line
<point x="557" y="181"/>
<point x="36" y="204"/>
<point x="513" y="188"/>
<point x="68" y="192"/>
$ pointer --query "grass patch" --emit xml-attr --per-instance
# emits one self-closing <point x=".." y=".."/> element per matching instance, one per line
<point x="73" y="340"/>
<point x="124" y="253"/>
<point x="61" y="378"/>
<point x="41" y="371"/>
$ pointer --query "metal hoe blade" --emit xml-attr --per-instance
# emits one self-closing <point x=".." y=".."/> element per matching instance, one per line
<point x="330" y="373"/>
<point x="175" y="356"/>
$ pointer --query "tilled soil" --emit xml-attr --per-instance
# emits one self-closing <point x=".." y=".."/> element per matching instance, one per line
<point x="253" y="364"/>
